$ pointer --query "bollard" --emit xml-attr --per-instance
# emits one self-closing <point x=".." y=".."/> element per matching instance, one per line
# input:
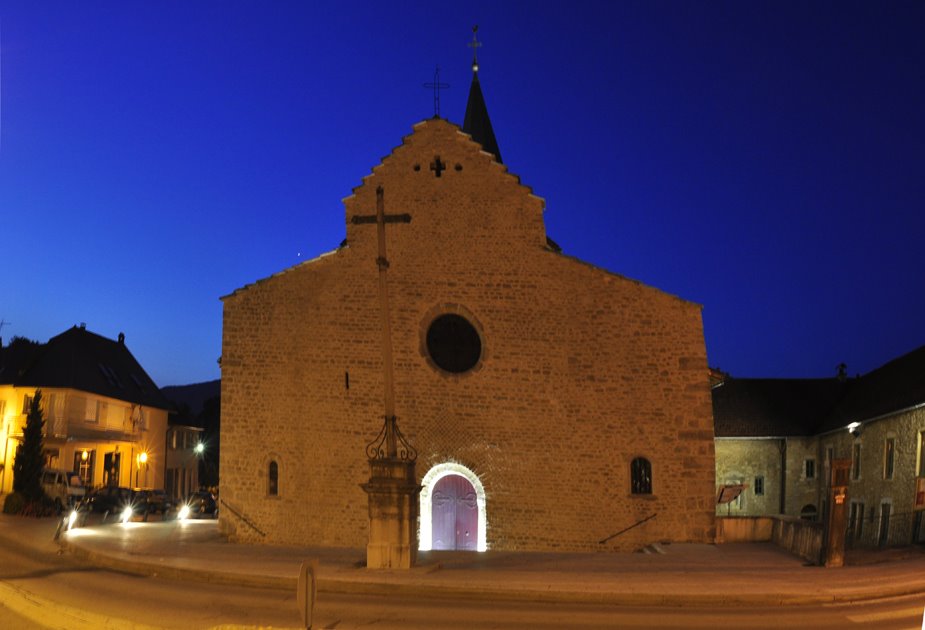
<point x="305" y="591"/>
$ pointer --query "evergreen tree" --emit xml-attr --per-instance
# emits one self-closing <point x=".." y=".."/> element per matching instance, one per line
<point x="27" y="467"/>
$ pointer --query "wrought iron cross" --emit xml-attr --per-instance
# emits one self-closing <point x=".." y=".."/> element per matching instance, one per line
<point x="474" y="45"/>
<point x="390" y="436"/>
<point x="437" y="86"/>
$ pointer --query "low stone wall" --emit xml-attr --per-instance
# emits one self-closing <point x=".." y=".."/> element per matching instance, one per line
<point x="733" y="529"/>
<point x="798" y="536"/>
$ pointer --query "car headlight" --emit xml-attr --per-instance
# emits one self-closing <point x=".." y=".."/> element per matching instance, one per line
<point x="71" y="519"/>
<point x="127" y="514"/>
<point x="184" y="513"/>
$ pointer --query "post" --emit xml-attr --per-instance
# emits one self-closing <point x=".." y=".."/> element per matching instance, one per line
<point x="836" y="524"/>
<point x="305" y="592"/>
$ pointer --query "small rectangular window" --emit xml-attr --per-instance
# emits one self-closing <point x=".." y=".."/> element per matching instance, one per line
<point x="26" y="404"/>
<point x="921" y="470"/>
<point x="889" y="451"/>
<point x="809" y="468"/>
<point x="856" y="462"/>
<point x="91" y="411"/>
<point x="759" y="486"/>
<point x="856" y="520"/>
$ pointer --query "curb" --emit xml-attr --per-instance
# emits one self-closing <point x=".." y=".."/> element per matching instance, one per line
<point x="475" y="593"/>
<point x="45" y="611"/>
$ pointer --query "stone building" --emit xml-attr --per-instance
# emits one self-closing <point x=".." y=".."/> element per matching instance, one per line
<point x="184" y="452"/>
<point x="778" y="436"/>
<point x="105" y="419"/>
<point x="552" y="403"/>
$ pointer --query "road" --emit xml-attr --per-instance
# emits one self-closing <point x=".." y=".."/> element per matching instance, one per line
<point x="90" y="597"/>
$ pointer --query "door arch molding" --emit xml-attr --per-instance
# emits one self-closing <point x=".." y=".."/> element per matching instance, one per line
<point x="435" y="474"/>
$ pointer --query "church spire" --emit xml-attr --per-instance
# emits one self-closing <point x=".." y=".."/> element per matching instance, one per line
<point x="476" y="123"/>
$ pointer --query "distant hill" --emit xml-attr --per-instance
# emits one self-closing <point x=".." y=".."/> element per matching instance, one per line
<point x="194" y="396"/>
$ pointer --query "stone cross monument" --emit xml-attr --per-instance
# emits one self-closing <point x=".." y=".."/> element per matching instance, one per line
<point x="392" y="488"/>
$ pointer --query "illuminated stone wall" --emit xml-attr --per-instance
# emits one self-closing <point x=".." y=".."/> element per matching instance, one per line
<point x="582" y="370"/>
<point x="874" y="488"/>
<point x="741" y="461"/>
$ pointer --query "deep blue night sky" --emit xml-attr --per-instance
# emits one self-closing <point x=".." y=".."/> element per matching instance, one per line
<point x="764" y="159"/>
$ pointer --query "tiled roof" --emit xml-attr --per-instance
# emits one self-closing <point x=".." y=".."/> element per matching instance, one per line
<point x="894" y="386"/>
<point x="756" y="407"/>
<point x="764" y="407"/>
<point x="81" y="360"/>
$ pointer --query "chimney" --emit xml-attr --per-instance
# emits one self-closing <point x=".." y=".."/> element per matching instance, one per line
<point x="842" y="374"/>
<point x="83" y="325"/>
<point x="122" y="338"/>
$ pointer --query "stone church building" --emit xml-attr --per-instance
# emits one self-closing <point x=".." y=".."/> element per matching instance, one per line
<point x="552" y="404"/>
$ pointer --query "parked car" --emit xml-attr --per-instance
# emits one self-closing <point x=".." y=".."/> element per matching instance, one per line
<point x="151" y="501"/>
<point x="199" y="504"/>
<point x="63" y="487"/>
<point x="112" y="499"/>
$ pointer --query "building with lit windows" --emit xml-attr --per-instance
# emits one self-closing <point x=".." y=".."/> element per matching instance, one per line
<point x="185" y="449"/>
<point x="777" y="437"/>
<point x="104" y="417"/>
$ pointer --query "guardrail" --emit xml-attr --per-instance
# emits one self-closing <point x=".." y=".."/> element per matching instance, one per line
<point x="626" y="529"/>
<point x="241" y="516"/>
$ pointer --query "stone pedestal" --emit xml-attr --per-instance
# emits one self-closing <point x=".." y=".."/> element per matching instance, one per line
<point x="393" y="514"/>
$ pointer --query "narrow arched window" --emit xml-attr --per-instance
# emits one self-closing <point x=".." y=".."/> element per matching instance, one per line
<point x="641" y="476"/>
<point x="273" y="479"/>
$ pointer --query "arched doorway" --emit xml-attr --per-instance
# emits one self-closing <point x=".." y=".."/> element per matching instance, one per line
<point x="454" y="514"/>
<point x="452" y="510"/>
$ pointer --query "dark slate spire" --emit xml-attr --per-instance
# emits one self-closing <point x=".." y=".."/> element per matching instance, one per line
<point x="476" y="123"/>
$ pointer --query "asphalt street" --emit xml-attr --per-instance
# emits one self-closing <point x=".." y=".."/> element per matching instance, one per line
<point x="44" y="585"/>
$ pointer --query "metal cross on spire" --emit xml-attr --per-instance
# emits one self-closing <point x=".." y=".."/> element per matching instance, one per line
<point x="474" y="45"/>
<point x="437" y="86"/>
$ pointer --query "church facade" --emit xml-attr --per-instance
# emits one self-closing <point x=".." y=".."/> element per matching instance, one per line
<point x="552" y="404"/>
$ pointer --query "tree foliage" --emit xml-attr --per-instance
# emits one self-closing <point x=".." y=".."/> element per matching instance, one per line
<point x="27" y="467"/>
<point x="210" y="420"/>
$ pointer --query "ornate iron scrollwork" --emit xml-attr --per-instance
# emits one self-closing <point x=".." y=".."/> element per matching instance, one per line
<point x="390" y="443"/>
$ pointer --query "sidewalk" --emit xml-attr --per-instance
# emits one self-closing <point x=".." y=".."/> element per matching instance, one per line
<point x="745" y="574"/>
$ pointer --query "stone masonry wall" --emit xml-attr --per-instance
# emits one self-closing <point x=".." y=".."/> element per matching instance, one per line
<point x="742" y="461"/>
<point x="582" y="370"/>
<point x="873" y="488"/>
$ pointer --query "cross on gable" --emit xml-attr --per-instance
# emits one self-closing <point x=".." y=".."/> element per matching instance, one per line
<point x="437" y="166"/>
<point x="437" y="85"/>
